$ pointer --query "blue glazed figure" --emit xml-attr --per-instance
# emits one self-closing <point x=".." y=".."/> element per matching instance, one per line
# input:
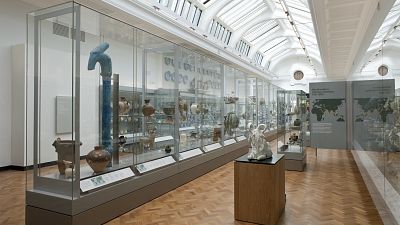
<point x="97" y="55"/>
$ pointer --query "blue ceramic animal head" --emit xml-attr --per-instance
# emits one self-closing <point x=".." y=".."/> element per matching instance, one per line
<point x="98" y="55"/>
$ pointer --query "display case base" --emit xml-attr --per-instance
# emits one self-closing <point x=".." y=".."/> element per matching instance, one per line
<point x="295" y="159"/>
<point x="106" y="211"/>
<point x="296" y="164"/>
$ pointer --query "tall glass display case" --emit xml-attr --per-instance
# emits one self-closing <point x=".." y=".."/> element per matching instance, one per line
<point x="116" y="111"/>
<point x="189" y="110"/>
<point x="252" y="101"/>
<point x="235" y="112"/>
<point x="292" y="121"/>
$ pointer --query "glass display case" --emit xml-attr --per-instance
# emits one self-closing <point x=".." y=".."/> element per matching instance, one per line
<point x="252" y="102"/>
<point x="292" y="121"/>
<point x="115" y="110"/>
<point x="235" y="110"/>
<point x="211" y="104"/>
<point x="272" y="104"/>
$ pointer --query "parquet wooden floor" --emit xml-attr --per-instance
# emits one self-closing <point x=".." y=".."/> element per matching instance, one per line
<point x="330" y="191"/>
<point x="12" y="197"/>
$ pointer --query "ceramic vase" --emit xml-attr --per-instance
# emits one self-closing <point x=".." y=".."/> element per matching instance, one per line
<point x="231" y="122"/>
<point x="297" y="122"/>
<point x="217" y="133"/>
<point x="169" y="111"/>
<point x="98" y="159"/>
<point x="147" y="108"/>
<point x="124" y="105"/>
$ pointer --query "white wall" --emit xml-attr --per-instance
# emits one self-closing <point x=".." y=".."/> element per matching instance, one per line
<point x="286" y="66"/>
<point x="13" y="26"/>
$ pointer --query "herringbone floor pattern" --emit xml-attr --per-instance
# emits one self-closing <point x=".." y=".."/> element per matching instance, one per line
<point x="330" y="191"/>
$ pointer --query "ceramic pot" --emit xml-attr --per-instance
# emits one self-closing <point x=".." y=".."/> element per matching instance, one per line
<point x="217" y="133"/>
<point x="231" y="100"/>
<point x="98" y="159"/>
<point x="147" y="142"/>
<point x="124" y="105"/>
<point x="231" y="122"/>
<point x="169" y="111"/>
<point x="147" y="108"/>
<point x="293" y="138"/>
<point x="168" y="149"/>
<point x="65" y="152"/>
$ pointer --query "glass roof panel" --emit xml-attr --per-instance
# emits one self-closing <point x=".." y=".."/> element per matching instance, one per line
<point x="262" y="31"/>
<point x="273" y="44"/>
<point x="237" y="14"/>
<point x="235" y="11"/>
<point x="385" y="31"/>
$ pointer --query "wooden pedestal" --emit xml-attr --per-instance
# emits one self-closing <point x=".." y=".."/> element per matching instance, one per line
<point x="260" y="189"/>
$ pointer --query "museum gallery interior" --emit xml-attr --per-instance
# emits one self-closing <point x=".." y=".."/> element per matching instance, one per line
<point x="200" y="112"/>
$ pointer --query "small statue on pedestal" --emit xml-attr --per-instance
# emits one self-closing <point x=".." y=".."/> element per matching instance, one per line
<point x="260" y="148"/>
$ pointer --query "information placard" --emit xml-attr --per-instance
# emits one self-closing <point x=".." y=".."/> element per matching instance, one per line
<point x="190" y="154"/>
<point x="212" y="147"/>
<point x="154" y="164"/>
<point x="229" y="142"/>
<point x="105" y="179"/>
<point x="241" y="138"/>
<point x="165" y="138"/>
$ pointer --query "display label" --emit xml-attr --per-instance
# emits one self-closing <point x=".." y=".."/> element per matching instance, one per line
<point x="186" y="128"/>
<point x="105" y="179"/>
<point x="294" y="148"/>
<point x="154" y="164"/>
<point x="229" y="142"/>
<point x="212" y="147"/>
<point x="241" y="138"/>
<point x="190" y="154"/>
<point x="165" y="138"/>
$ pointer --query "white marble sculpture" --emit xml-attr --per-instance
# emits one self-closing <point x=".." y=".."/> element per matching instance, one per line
<point x="260" y="148"/>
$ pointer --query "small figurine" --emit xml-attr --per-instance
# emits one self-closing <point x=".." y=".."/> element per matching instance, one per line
<point x="260" y="148"/>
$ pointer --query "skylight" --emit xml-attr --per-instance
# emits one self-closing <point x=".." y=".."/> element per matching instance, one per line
<point x="384" y="33"/>
<point x="273" y="45"/>
<point x="239" y="12"/>
<point x="262" y="30"/>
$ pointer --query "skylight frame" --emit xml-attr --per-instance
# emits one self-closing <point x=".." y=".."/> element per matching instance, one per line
<point x="276" y="42"/>
<point x="390" y="23"/>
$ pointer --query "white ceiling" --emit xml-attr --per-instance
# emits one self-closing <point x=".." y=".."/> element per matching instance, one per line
<point x="345" y="30"/>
